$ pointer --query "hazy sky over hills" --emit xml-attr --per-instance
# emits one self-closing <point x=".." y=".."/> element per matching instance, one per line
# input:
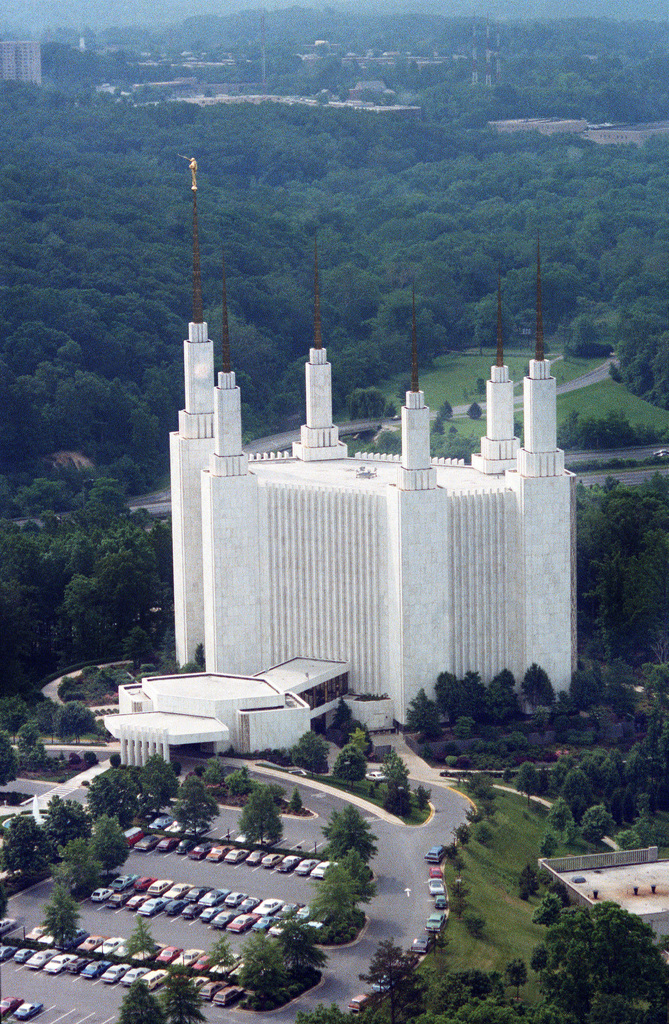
<point x="22" y="16"/>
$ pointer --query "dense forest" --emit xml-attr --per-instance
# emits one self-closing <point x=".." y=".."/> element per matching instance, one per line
<point x="95" y="249"/>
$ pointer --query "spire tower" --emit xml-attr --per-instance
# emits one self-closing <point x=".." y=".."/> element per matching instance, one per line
<point x="416" y="472"/>
<point x="318" y="335"/>
<point x="197" y="279"/>
<point x="414" y="344"/>
<point x="500" y="344"/>
<point x="499" y="447"/>
<point x="224" y="324"/>
<point x="539" y="349"/>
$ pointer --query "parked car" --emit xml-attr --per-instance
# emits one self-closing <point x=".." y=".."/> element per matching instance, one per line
<point x="23" y="955"/>
<point x="133" y="836"/>
<point x="217" y="854"/>
<point x="196" y="892"/>
<point x="176" y="907"/>
<point x="200" y="851"/>
<point x="271" y="860"/>
<point x="263" y="924"/>
<point x="134" y="974"/>
<point x="7" y="953"/>
<point x="209" y="990"/>
<point x="7" y="925"/>
<point x="154" y="978"/>
<point x="420" y="946"/>
<point x="214" y="897"/>
<point x="435" y="921"/>
<point x="69" y="944"/>
<point x="185" y="846"/>
<point x="288" y="909"/>
<point x="223" y="919"/>
<point x="115" y="973"/>
<point x="137" y="901"/>
<point x="435" y="872"/>
<point x="203" y="963"/>
<point x="9" y="1004"/>
<point x="376" y="776"/>
<point x="123" y="882"/>
<point x="77" y="966"/>
<point x="119" y="899"/>
<point x="321" y="868"/>
<point x="92" y="943"/>
<point x="288" y="863"/>
<point x="110" y="946"/>
<point x="142" y="884"/>
<point x="268" y="907"/>
<point x="305" y="867"/>
<point x="234" y="899"/>
<point x="441" y="901"/>
<point x="162" y="821"/>
<point x="27" y="1011"/>
<point x="40" y="959"/>
<point x="189" y="957"/>
<point x="101" y="895"/>
<point x="147" y="844"/>
<point x="358" y="1003"/>
<point x="167" y="844"/>
<point x="236" y="856"/>
<point x="209" y="913"/>
<point x="178" y="891"/>
<point x="435" y="854"/>
<point x="436" y="887"/>
<point x="168" y="954"/>
<point x="228" y="995"/>
<point x="255" y="857"/>
<point x="160" y="886"/>
<point x="303" y="914"/>
<point x="191" y="911"/>
<point x="96" y="968"/>
<point x="249" y="905"/>
<point x="36" y="933"/>
<point x="59" y="963"/>
<point x="154" y="905"/>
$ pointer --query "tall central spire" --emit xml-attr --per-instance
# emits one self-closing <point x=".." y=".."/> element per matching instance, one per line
<point x="414" y="344"/>
<point x="318" y="338"/>
<point x="539" y="351"/>
<point x="197" y="280"/>
<point x="225" y="330"/>
<point x="500" y="346"/>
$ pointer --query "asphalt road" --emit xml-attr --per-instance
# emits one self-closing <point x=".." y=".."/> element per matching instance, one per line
<point x="398" y="911"/>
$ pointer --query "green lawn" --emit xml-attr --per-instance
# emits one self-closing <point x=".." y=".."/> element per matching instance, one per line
<point x="606" y="396"/>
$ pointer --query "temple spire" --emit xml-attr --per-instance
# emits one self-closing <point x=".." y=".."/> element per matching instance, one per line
<point x="197" y="281"/>
<point x="539" y="352"/>
<point x="414" y="344"/>
<point x="318" y="338"/>
<point x="225" y="330"/>
<point x="500" y="345"/>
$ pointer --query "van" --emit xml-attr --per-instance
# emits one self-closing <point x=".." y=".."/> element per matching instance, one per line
<point x="227" y="995"/>
<point x="435" y="855"/>
<point x="358" y="1003"/>
<point x="133" y="835"/>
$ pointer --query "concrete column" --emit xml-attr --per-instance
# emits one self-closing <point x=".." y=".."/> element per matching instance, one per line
<point x="145" y="751"/>
<point x="124" y="750"/>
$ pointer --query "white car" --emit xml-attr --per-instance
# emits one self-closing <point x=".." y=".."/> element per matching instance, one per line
<point x="178" y="891"/>
<point x="268" y="907"/>
<point x="188" y="957"/>
<point x="101" y="895"/>
<point x="39" y="959"/>
<point x="320" y="869"/>
<point x="134" y="974"/>
<point x="59" y="963"/>
<point x="436" y="887"/>
<point x="111" y="945"/>
<point x="154" y="978"/>
<point x="305" y="867"/>
<point x="375" y="776"/>
<point x="115" y="973"/>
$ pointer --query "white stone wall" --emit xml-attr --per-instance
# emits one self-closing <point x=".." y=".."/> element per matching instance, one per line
<point x="539" y="403"/>
<point x="377" y="715"/>
<point x="318" y="389"/>
<point x="262" y="730"/>
<point x="324" y="583"/>
<point x="235" y="641"/>
<point x="198" y="369"/>
<point x="227" y="416"/>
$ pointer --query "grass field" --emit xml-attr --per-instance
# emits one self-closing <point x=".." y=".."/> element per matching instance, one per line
<point x="606" y="396"/>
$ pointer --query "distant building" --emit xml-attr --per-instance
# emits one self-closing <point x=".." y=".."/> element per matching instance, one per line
<point x="21" y="61"/>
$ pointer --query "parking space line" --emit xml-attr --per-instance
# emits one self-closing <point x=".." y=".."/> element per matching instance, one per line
<point x="104" y="1021"/>
<point x="85" y="1018"/>
<point x="62" y="1017"/>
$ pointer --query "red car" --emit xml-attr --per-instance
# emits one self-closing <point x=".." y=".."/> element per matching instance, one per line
<point x="200" y="851"/>
<point x="9" y="1004"/>
<point x="167" y="844"/>
<point x="169" y="954"/>
<point x="435" y="872"/>
<point x="203" y="964"/>
<point x="142" y="884"/>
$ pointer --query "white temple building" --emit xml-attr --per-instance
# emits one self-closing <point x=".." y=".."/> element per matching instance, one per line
<point x="363" y="575"/>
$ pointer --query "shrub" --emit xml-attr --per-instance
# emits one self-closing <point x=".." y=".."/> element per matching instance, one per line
<point x="475" y="924"/>
<point x="115" y="760"/>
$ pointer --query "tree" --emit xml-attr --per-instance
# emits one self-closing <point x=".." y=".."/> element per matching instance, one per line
<point x="61" y="915"/>
<point x="295" y="802"/>
<point x="264" y="971"/>
<point x="347" y="830"/>
<point x="9" y="762"/>
<point x="195" y="808"/>
<point x="65" y="820"/>
<point x="25" y="847"/>
<point x="260" y="820"/>
<point x="323" y="1015"/>
<point x="361" y="875"/>
<point x="157" y="785"/>
<point x="79" y="869"/>
<point x="548" y="910"/>
<point x="298" y="947"/>
<point x="528" y="883"/>
<point x="139" y="1006"/>
<point x="536" y="687"/>
<point x="561" y="819"/>
<point x="577" y="792"/>
<point x="221" y="952"/>
<point x="596" y="823"/>
<point x="31" y="750"/>
<point x="137" y="646"/>
<point x="515" y="973"/>
<point x="109" y="843"/>
<point x="351" y="764"/>
<point x="548" y="844"/>
<point x="239" y="783"/>
<point x="474" y="411"/>
<point x="336" y="899"/>
<point x="389" y="967"/>
<point x="114" y="794"/>
<point x="527" y="780"/>
<point x="75" y="719"/>
<point x="501" y="699"/>
<point x="180" y="998"/>
<point x="141" y="942"/>
<point x="214" y="774"/>
<point x="311" y="752"/>
<point x="13" y="713"/>
<point x="423" y="716"/>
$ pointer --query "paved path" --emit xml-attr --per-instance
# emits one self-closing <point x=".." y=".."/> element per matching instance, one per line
<point x="51" y="689"/>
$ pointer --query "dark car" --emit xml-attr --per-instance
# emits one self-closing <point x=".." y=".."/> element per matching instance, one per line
<point x="223" y="919"/>
<point x="162" y="821"/>
<point x="420" y="946"/>
<point x="28" y="1010"/>
<point x="167" y="844"/>
<point x="175" y="907"/>
<point x="200" y="851"/>
<point x="23" y="956"/>
<point x="191" y="911"/>
<point x="196" y="893"/>
<point x="79" y="936"/>
<point x="119" y="899"/>
<point x="77" y="966"/>
<point x="96" y="968"/>
<point x="147" y="843"/>
<point x="185" y="846"/>
<point x="123" y="882"/>
<point x="8" y="953"/>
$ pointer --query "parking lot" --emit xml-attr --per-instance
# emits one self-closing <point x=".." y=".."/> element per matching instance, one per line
<point x="399" y="910"/>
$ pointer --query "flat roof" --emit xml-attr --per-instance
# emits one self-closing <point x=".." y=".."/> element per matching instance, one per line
<point x="299" y="671"/>
<point x="342" y="474"/>
<point x="180" y="727"/>
<point x="617" y="885"/>
<point x="211" y="686"/>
